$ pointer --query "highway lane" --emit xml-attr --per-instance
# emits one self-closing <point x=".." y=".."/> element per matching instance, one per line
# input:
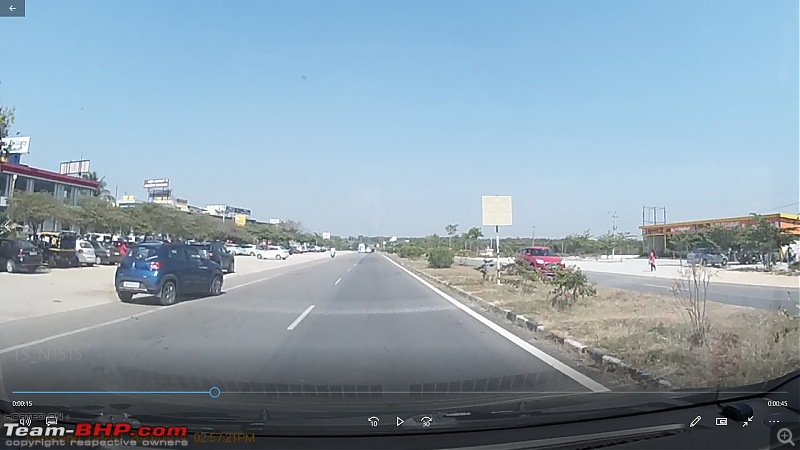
<point x="355" y="326"/>
<point x="760" y="297"/>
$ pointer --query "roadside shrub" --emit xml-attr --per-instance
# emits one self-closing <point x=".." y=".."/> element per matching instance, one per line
<point x="569" y="285"/>
<point x="440" y="259"/>
<point x="410" y="252"/>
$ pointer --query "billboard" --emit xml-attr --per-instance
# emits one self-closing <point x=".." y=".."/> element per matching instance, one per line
<point x="326" y="235"/>
<point x="496" y="210"/>
<point x="156" y="183"/>
<point x="240" y="220"/>
<point x="274" y="221"/>
<point x="17" y="145"/>
<point x="74" y="167"/>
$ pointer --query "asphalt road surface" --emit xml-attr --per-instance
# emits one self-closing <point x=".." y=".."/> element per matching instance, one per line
<point x="357" y="326"/>
<point x="761" y="297"/>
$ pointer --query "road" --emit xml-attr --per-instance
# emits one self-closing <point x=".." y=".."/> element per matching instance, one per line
<point x="760" y="297"/>
<point x="357" y="325"/>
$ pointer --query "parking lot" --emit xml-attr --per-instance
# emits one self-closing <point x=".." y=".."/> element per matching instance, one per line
<point x="51" y="291"/>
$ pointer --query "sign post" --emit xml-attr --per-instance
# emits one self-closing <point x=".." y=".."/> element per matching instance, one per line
<point x="496" y="212"/>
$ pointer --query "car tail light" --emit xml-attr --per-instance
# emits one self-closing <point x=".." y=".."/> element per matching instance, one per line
<point x="210" y="254"/>
<point x="21" y="252"/>
<point x="155" y="265"/>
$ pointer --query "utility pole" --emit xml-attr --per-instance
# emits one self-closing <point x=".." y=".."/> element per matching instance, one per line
<point x="615" y="217"/>
<point x="533" y="235"/>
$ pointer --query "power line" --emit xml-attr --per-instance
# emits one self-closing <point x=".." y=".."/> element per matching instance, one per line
<point x="779" y="207"/>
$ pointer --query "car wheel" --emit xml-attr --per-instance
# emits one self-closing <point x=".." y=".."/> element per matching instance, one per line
<point x="278" y="257"/>
<point x="125" y="297"/>
<point x="704" y="262"/>
<point x="252" y="254"/>
<point x="168" y="294"/>
<point x="216" y="286"/>
<point x="260" y="256"/>
<point x="724" y="263"/>
<point x="11" y="266"/>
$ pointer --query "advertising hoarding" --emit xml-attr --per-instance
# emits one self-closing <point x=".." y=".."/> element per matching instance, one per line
<point x="240" y="220"/>
<point x="326" y="235"/>
<point x="74" y="167"/>
<point x="156" y="183"/>
<point x="17" y="145"/>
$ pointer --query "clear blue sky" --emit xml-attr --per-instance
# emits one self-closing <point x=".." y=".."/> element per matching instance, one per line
<point x="411" y="110"/>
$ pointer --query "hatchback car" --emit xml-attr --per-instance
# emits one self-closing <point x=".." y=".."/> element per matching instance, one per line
<point x="85" y="253"/>
<point x="168" y="271"/>
<point x="20" y="255"/>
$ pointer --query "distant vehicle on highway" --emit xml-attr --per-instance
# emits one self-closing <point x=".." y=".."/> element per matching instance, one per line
<point x="705" y="256"/>
<point x="84" y="251"/>
<point x="168" y="271"/>
<point x="272" y="252"/>
<point x="362" y="248"/>
<point x="541" y="258"/>
<point x="217" y="252"/>
<point x="19" y="255"/>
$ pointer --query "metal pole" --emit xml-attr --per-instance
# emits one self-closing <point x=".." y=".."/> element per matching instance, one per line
<point x="533" y="235"/>
<point x="497" y="262"/>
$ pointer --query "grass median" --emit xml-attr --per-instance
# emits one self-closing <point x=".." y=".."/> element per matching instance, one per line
<point x="654" y="333"/>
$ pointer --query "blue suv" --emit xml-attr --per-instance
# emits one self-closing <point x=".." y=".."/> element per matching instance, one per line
<point x="166" y="270"/>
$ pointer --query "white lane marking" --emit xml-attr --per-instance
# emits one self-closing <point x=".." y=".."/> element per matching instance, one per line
<point x="300" y="318"/>
<point x="516" y="340"/>
<point x="337" y="281"/>
<point x="348" y="269"/>
<point x="656" y="286"/>
<point x="14" y="348"/>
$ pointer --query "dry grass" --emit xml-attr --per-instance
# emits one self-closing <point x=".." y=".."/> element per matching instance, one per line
<point x="650" y="332"/>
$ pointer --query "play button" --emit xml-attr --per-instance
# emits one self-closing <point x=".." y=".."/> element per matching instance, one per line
<point x="400" y="421"/>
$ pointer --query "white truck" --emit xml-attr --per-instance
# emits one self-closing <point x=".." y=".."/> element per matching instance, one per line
<point x="362" y="248"/>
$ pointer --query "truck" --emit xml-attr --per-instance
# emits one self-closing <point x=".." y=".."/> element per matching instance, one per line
<point x="362" y="248"/>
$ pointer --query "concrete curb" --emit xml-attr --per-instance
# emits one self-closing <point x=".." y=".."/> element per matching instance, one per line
<point x="597" y="356"/>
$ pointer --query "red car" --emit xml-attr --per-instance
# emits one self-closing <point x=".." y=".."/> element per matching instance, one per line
<point x="542" y="259"/>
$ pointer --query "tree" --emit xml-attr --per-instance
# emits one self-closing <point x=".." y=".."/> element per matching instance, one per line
<point x="102" y="190"/>
<point x="451" y="231"/>
<point x="767" y="238"/>
<point x="34" y="208"/>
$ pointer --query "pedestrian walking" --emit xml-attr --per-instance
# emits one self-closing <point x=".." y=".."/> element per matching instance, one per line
<point x="652" y="260"/>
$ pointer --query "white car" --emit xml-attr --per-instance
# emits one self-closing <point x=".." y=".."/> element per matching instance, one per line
<point x="244" y="249"/>
<point x="85" y="253"/>
<point x="272" y="252"/>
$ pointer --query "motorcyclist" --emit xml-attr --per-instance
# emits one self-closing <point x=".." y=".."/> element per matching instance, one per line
<point x="333" y="252"/>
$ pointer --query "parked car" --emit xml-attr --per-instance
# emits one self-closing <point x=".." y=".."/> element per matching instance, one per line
<point x="707" y="257"/>
<point x="167" y="270"/>
<point x="85" y="253"/>
<point x="541" y="258"/>
<point x="295" y="251"/>
<point x="18" y="255"/>
<point x="272" y="252"/>
<point x="103" y="253"/>
<point x="217" y="252"/>
<point x="245" y="249"/>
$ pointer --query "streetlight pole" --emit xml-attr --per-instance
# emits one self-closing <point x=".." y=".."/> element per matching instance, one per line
<point x="533" y="235"/>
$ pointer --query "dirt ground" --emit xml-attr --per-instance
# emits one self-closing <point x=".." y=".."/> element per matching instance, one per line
<point x="651" y="332"/>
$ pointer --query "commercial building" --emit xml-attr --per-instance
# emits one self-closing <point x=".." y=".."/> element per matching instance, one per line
<point x="657" y="236"/>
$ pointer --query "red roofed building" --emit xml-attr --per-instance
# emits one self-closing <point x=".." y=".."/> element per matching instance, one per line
<point x="19" y="177"/>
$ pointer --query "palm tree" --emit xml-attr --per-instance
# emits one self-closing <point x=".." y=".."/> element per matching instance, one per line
<point x="102" y="190"/>
<point x="451" y="231"/>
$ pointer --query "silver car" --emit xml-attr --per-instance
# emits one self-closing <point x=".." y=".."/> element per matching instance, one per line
<point x="707" y="257"/>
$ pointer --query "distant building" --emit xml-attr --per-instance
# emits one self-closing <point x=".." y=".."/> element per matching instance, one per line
<point x="657" y="236"/>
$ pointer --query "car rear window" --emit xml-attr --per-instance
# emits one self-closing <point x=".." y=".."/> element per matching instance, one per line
<point x="27" y="245"/>
<point x="85" y="244"/>
<point x="143" y="252"/>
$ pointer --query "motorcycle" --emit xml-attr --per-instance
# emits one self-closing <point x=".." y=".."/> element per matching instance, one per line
<point x="333" y="253"/>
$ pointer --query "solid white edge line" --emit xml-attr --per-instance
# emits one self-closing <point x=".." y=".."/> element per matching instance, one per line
<point x="300" y="318"/>
<point x="656" y="286"/>
<point x="337" y="281"/>
<point x="516" y="340"/>
<point x="14" y="348"/>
